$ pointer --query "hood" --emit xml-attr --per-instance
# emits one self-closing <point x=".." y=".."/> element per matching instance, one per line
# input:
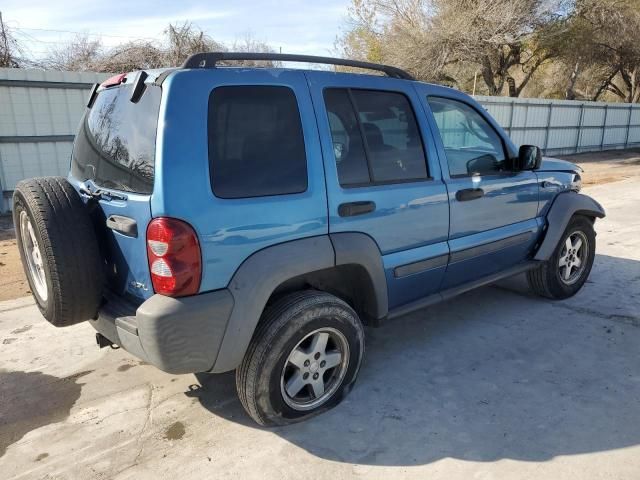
<point x="550" y="164"/>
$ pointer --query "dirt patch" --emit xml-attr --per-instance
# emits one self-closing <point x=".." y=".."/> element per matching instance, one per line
<point x="26" y="328"/>
<point x="13" y="283"/>
<point x="606" y="167"/>
<point x="175" y="431"/>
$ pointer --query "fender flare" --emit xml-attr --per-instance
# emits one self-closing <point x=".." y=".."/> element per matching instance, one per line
<point x="261" y="273"/>
<point x="565" y="206"/>
<point x="360" y="249"/>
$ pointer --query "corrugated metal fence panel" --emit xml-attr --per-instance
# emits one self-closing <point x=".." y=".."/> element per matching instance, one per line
<point x="564" y="126"/>
<point x="39" y="115"/>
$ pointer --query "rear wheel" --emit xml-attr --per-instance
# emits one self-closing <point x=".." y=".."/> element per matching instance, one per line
<point x="564" y="274"/>
<point x="303" y="359"/>
<point x="58" y="249"/>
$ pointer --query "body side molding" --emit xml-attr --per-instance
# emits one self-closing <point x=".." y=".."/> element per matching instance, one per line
<point x="565" y="206"/>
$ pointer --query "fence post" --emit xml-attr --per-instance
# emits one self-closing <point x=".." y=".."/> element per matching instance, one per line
<point x="513" y="107"/>
<point x="2" y="180"/>
<point x="604" y="126"/>
<point x="580" y="127"/>
<point x="626" y="140"/>
<point x="548" y="128"/>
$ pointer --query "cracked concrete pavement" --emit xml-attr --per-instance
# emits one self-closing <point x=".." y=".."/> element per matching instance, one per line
<point x="494" y="384"/>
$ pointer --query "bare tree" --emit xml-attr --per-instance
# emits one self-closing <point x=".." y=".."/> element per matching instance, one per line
<point x="80" y="54"/>
<point x="10" y="51"/>
<point x="508" y="40"/>
<point x="184" y="40"/>
<point x="136" y="55"/>
<point x="505" y="41"/>
<point x="250" y="44"/>
<point x="613" y="38"/>
<point x="179" y="42"/>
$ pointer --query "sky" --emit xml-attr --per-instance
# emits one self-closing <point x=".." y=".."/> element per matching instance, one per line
<point x="303" y="26"/>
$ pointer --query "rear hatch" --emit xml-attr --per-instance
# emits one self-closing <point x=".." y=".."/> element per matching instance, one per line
<point x="113" y="166"/>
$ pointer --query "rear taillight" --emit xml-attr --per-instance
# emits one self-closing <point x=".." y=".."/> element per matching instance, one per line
<point x="174" y="257"/>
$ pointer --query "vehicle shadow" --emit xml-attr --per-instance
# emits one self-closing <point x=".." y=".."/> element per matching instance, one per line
<point x="494" y="374"/>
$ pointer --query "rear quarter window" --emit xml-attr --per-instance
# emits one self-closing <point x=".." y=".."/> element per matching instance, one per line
<point x="115" y="146"/>
<point x="256" y="144"/>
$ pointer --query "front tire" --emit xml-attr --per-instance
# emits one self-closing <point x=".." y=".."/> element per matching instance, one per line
<point x="564" y="274"/>
<point x="304" y="358"/>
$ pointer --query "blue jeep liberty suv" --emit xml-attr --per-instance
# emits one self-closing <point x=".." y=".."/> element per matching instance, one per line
<point x="219" y="218"/>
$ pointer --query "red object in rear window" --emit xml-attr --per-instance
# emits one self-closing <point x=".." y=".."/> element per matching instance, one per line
<point x="174" y="257"/>
<point x="115" y="80"/>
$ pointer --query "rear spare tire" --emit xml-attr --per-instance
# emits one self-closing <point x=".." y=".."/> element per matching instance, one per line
<point x="58" y="249"/>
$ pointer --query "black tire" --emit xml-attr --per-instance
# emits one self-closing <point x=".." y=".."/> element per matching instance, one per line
<point x="546" y="279"/>
<point x="283" y="326"/>
<point x="68" y="249"/>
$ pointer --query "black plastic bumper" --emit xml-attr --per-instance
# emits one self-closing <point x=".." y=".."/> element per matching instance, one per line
<point x="177" y="335"/>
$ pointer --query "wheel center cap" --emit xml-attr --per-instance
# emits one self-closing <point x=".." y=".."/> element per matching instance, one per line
<point x="313" y="367"/>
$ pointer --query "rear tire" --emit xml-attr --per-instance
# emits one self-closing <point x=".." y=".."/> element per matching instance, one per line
<point x="315" y="330"/>
<point x="564" y="274"/>
<point x="58" y="249"/>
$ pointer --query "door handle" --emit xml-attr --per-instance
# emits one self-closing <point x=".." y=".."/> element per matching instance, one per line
<point x="469" y="194"/>
<point x="353" y="209"/>
<point x="124" y="225"/>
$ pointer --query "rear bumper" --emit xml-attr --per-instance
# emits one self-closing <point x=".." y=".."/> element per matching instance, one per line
<point x="177" y="335"/>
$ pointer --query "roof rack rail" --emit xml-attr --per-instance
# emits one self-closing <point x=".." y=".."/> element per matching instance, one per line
<point x="210" y="59"/>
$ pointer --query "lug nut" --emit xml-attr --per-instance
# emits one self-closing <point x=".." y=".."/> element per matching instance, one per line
<point x="305" y="376"/>
<point x="317" y="355"/>
<point x="322" y="364"/>
<point x="315" y="376"/>
<point x="307" y="363"/>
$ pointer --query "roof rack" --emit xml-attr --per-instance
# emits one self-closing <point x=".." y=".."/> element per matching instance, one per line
<point x="210" y="59"/>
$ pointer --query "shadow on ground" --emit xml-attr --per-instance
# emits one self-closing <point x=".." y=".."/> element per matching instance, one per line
<point x="30" y="400"/>
<point x="491" y="375"/>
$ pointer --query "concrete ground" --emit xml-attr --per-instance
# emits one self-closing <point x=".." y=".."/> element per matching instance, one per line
<point x="494" y="384"/>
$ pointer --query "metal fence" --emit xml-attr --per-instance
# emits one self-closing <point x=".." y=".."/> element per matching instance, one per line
<point x="563" y="127"/>
<point x="39" y="115"/>
<point x="40" y="111"/>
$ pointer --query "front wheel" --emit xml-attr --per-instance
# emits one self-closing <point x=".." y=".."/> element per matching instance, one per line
<point x="303" y="359"/>
<point x="564" y="274"/>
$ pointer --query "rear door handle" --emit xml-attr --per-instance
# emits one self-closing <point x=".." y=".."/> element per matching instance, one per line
<point x="469" y="194"/>
<point x="353" y="209"/>
<point x="124" y="225"/>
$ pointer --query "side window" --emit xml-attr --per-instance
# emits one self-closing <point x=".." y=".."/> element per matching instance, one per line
<point x="470" y="142"/>
<point x="375" y="137"/>
<point x="348" y="147"/>
<point x="256" y="144"/>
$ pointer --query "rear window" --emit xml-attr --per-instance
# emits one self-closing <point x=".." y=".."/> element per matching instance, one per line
<point x="256" y="145"/>
<point x="115" y="146"/>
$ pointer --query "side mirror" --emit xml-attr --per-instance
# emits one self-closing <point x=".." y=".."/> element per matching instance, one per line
<point x="529" y="157"/>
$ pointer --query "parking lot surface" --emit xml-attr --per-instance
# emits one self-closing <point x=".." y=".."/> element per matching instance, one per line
<point x="494" y="384"/>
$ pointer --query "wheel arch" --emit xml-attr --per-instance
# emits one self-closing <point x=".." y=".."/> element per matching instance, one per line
<point x="348" y="265"/>
<point x="565" y="206"/>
